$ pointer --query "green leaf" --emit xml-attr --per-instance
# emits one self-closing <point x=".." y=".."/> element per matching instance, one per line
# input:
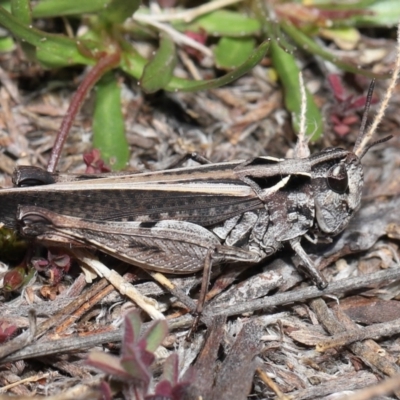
<point x="223" y="23"/>
<point x="6" y="4"/>
<point x="22" y="11"/>
<point x="108" y="124"/>
<point x="136" y="368"/>
<point x="133" y="64"/>
<point x="170" y="369"/>
<point x="6" y="44"/>
<point x="17" y="277"/>
<point x="107" y="363"/>
<point x="132" y="327"/>
<point x="232" y="52"/>
<point x="119" y="10"/>
<point x="382" y="13"/>
<point x="51" y="50"/>
<point x="60" y="51"/>
<point x="288" y="72"/>
<point x="344" y="38"/>
<point x="191" y="86"/>
<point x="158" y="72"/>
<point x="155" y="335"/>
<point x="57" y="8"/>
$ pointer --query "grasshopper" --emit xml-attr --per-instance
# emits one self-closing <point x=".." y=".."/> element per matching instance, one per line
<point x="184" y="220"/>
<point x="177" y="221"/>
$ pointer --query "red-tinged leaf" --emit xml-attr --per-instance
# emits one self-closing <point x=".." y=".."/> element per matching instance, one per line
<point x="55" y="266"/>
<point x="155" y="335"/>
<point x="171" y="369"/>
<point x="179" y="391"/>
<point x="14" y="279"/>
<point x="163" y="391"/>
<point x="40" y="264"/>
<point x="351" y="119"/>
<point x="7" y="331"/>
<point x="200" y="37"/>
<point x="55" y="274"/>
<point x="359" y="102"/>
<point x="341" y="130"/>
<point x="147" y="357"/>
<point x="105" y="391"/>
<point x="132" y="328"/>
<point x="60" y="260"/>
<point x="343" y="114"/>
<point x="170" y="387"/>
<point x="337" y="87"/>
<point x="136" y="368"/>
<point x="94" y="163"/>
<point x="107" y="363"/>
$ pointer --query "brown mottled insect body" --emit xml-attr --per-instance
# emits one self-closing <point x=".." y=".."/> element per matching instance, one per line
<point x="169" y="220"/>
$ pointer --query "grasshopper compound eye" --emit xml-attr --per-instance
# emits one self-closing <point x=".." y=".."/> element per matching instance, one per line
<point x="337" y="179"/>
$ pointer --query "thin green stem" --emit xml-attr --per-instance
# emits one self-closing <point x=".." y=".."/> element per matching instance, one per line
<point x="309" y="45"/>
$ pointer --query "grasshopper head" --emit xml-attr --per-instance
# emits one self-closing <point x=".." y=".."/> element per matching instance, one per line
<point x="337" y="185"/>
<point x="337" y="174"/>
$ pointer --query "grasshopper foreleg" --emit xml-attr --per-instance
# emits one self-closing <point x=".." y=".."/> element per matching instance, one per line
<point x="317" y="277"/>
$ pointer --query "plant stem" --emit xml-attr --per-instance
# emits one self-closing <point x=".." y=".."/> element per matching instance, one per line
<point x="104" y="64"/>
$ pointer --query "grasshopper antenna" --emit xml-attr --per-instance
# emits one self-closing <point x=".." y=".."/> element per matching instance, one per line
<point x="363" y="126"/>
<point x="361" y="146"/>
<point x="368" y="146"/>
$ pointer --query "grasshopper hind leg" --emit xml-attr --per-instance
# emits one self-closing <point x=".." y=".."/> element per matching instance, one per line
<point x="203" y="293"/>
<point x="217" y="254"/>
